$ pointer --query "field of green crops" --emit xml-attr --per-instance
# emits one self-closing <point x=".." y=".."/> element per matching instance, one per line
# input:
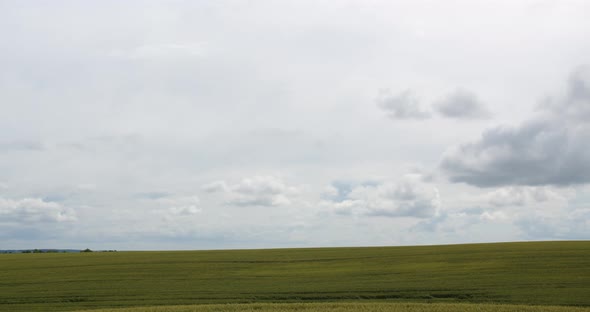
<point x="539" y="273"/>
<point x="353" y="307"/>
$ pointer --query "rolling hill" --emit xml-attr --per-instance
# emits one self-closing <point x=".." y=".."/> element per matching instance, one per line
<point x="531" y="273"/>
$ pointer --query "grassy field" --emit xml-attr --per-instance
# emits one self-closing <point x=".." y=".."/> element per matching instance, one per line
<point x="352" y="307"/>
<point x="540" y="273"/>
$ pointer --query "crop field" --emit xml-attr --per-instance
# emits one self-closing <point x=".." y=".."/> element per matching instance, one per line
<point x="352" y="307"/>
<point x="424" y="278"/>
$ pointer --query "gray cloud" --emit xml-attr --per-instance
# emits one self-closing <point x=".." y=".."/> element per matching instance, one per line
<point x="22" y="146"/>
<point x="575" y="104"/>
<point x="462" y="104"/>
<point x="550" y="149"/>
<point x="404" y="105"/>
<point x="152" y="195"/>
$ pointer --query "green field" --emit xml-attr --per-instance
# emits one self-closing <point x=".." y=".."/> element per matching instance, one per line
<point x="539" y="273"/>
<point x="352" y="307"/>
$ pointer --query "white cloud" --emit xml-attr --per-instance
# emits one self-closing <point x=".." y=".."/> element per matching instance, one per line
<point x="216" y="186"/>
<point x="409" y="197"/>
<point x="330" y="192"/>
<point x="180" y="205"/>
<point x="255" y="191"/>
<point x="34" y="210"/>
<point x="522" y="195"/>
<point x="493" y="215"/>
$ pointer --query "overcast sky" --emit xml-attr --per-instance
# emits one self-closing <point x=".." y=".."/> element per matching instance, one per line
<point x="253" y="124"/>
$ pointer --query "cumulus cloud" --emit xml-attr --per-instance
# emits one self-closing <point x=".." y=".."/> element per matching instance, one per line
<point x="216" y="186"/>
<point x="339" y="190"/>
<point x="409" y="197"/>
<point x="493" y="215"/>
<point x="330" y="192"/>
<point x="549" y="149"/>
<point x="404" y="105"/>
<point x="462" y="104"/>
<point x="180" y="206"/>
<point x="255" y="191"/>
<point x="33" y="210"/>
<point x="521" y="195"/>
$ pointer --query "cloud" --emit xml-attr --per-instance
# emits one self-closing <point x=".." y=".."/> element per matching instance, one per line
<point x="180" y="206"/>
<point x="409" y="197"/>
<point x="404" y="105"/>
<point x="462" y="104"/>
<point x="216" y="186"/>
<point x="431" y="225"/>
<point x="34" y="210"/>
<point x="575" y="104"/>
<point x="161" y="51"/>
<point x="22" y="146"/>
<point x="549" y="149"/>
<point x="255" y="191"/>
<point x="493" y="216"/>
<point x="338" y="191"/>
<point x="152" y="195"/>
<point x="570" y="225"/>
<point x="170" y="204"/>
<point x="519" y="196"/>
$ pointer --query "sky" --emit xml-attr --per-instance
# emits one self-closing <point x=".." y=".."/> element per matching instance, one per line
<point x="173" y="125"/>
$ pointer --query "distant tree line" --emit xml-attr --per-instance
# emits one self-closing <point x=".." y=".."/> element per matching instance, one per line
<point x="28" y="251"/>
<point x="43" y="251"/>
<point x="89" y="250"/>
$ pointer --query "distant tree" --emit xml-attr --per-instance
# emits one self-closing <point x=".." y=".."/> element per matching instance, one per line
<point x="86" y="250"/>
